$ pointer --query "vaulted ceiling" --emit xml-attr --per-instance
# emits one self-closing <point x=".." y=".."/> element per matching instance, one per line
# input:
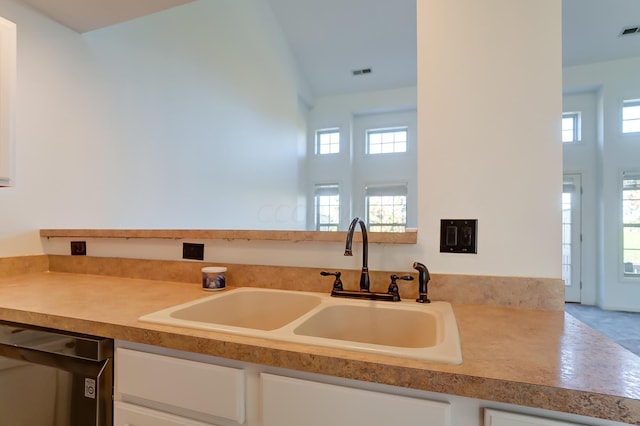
<point x="332" y="38"/>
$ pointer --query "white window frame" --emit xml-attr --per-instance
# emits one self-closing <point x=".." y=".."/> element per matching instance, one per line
<point x="370" y="132"/>
<point x="576" y="118"/>
<point x="395" y="190"/>
<point x="626" y="104"/>
<point x="635" y="273"/>
<point x="322" y="190"/>
<point x="7" y="100"/>
<point x="327" y="131"/>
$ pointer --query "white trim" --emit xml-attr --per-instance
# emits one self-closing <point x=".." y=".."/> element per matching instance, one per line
<point x="7" y="100"/>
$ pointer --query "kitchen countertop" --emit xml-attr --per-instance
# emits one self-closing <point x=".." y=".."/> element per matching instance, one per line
<point x="544" y="359"/>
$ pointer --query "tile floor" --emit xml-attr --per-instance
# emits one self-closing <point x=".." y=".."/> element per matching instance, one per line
<point x="621" y="327"/>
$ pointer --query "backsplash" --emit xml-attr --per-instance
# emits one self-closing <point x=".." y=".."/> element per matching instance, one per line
<point x="10" y="266"/>
<point x="520" y="292"/>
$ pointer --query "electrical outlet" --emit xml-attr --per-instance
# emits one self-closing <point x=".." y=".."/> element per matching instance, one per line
<point x="193" y="251"/>
<point x="78" y="248"/>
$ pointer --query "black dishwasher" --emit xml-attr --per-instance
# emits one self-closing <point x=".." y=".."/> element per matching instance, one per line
<point x="54" y="378"/>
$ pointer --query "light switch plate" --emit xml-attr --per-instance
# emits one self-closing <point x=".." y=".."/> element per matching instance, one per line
<point x="458" y="236"/>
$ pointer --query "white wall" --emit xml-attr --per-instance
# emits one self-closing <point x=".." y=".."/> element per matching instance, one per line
<point x="613" y="152"/>
<point x="489" y="102"/>
<point x="154" y="123"/>
<point x="501" y="164"/>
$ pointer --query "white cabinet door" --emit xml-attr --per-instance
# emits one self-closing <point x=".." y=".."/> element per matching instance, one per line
<point x="196" y="386"/>
<point x="295" y="402"/>
<point x="503" y="418"/>
<point x="131" y="415"/>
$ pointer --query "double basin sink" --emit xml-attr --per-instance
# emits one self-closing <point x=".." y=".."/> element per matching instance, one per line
<point x="405" y="329"/>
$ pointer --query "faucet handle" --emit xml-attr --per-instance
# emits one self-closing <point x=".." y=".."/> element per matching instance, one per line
<point x="393" y="286"/>
<point x="337" y="283"/>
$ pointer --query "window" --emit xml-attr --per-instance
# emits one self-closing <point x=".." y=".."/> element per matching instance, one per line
<point x="631" y="224"/>
<point x="386" y="208"/>
<point x="7" y="95"/>
<point x="631" y="116"/>
<point x="328" y="141"/>
<point x="570" y="197"/>
<point x="566" y="237"/>
<point x="571" y="127"/>
<point x="327" y="207"/>
<point x="387" y="141"/>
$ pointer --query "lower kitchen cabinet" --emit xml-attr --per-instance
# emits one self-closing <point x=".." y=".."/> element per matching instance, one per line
<point x="155" y="386"/>
<point x="132" y="415"/>
<point x="179" y="386"/>
<point x="503" y="418"/>
<point x="293" y="402"/>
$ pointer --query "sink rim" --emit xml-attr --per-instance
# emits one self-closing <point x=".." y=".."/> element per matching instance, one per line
<point x="448" y="351"/>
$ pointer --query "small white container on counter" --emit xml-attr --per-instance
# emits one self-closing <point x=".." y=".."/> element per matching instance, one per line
<point x="213" y="278"/>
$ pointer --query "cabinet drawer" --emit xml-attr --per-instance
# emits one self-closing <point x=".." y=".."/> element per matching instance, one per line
<point x="503" y="418"/>
<point x="205" y="388"/>
<point x="132" y="415"/>
<point x="294" y="402"/>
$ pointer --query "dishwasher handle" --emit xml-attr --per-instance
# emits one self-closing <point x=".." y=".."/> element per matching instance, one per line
<point x="71" y="364"/>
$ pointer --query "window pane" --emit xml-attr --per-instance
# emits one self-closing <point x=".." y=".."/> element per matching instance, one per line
<point x="631" y="206"/>
<point x="566" y="237"/>
<point x="631" y="116"/>
<point x="631" y="126"/>
<point x="631" y="252"/>
<point x="567" y="129"/>
<point x="386" y="141"/>
<point x="570" y="127"/>
<point x="327" y="207"/>
<point x="631" y="112"/>
<point x="631" y="225"/>
<point x="387" y="213"/>
<point x="328" y="141"/>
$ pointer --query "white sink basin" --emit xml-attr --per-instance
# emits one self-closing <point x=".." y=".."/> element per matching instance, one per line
<point x="247" y="308"/>
<point x="405" y="329"/>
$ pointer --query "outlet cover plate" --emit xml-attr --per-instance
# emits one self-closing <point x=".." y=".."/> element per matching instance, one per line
<point x="78" y="248"/>
<point x="459" y="236"/>
<point x="193" y="251"/>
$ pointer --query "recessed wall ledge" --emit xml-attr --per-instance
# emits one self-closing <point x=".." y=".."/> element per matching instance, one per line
<point x="407" y="237"/>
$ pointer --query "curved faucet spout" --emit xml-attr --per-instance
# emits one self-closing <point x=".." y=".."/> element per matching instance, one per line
<point x="364" y="275"/>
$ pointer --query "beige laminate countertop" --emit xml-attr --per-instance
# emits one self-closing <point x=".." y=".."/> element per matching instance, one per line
<point x="544" y="359"/>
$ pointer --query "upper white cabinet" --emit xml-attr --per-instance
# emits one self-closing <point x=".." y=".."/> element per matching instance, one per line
<point x="7" y="99"/>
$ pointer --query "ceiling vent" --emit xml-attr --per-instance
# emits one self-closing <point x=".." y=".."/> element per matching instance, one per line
<point x="362" y="71"/>
<point x="630" y="30"/>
